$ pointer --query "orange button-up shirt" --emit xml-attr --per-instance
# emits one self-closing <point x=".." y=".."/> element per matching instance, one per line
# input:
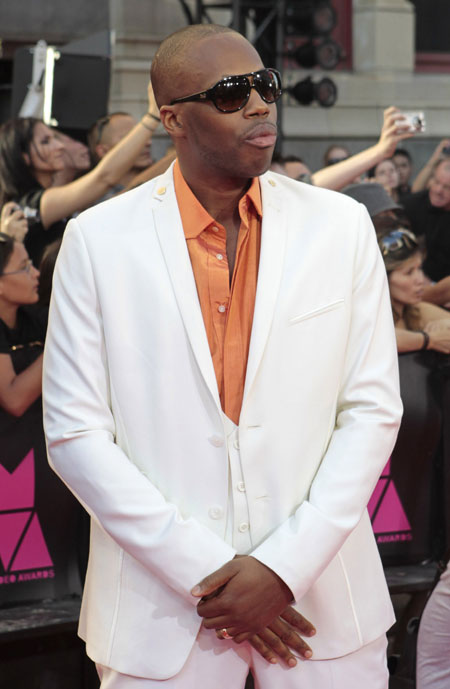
<point x="227" y="309"/>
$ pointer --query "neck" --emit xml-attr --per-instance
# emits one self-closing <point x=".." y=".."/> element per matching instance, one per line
<point x="63" y="177"/>
<point x="398" y="308"/>
<point x="44" y="178"/>
<point x="8" y="314"/>
<point x="219" y="196"/>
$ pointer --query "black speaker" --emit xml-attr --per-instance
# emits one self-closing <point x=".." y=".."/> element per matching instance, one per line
<point x="80" y="88"/>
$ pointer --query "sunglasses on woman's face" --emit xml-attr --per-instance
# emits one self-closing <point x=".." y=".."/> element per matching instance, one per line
<point x="231" y="94"/>
<point x="396" y="240"/>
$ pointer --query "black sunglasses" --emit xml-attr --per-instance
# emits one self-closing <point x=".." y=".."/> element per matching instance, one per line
<point x="231" y="94"/>
<point x="398" y="240"/>
<point x="101" y="124"/>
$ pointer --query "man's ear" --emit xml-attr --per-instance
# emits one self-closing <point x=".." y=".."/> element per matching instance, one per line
<point x="101" y="150"/>
<point x="172" y="120"/>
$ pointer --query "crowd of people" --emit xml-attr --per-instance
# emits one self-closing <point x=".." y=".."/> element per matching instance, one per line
<point x="47" y="177"/>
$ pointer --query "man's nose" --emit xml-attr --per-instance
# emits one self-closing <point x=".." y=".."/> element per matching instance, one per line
<point x="256" y="105"/>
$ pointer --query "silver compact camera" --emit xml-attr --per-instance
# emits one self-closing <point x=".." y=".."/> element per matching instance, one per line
<point x="414" y="120"/>
<point x="31" y="214"/>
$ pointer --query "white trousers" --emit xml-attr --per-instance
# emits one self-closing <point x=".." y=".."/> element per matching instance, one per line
<point x="433" y="643"/>
<point x="220" y="664"/>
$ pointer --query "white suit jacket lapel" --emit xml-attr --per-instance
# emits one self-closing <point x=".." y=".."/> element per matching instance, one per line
<point x="273" y="243"/>
<point x="174" y="248"/>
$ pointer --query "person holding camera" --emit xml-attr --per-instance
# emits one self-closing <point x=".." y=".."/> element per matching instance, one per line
<point x="13" y="221"/>
<point x="31" y="154"/>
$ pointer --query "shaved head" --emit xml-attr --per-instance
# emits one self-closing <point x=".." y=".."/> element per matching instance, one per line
<point x="169" y="66"/>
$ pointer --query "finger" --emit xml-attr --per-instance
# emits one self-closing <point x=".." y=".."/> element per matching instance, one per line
<point x="263" y="649"/>
<point x="225" y="623"/>
<point x="290" y="638"/>
<point x="213" y="581"/>
<point x="274" y="642"/>
<point x="294" y="618"/>
<point x="9" y="208"/>
<point x="224" y="634"/>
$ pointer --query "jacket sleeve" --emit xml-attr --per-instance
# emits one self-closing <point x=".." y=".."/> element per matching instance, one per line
<point x="80" y="433"/>
<point x="368" y="415"/>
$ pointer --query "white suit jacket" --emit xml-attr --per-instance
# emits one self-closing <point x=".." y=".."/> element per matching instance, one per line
<point x="135" y="429"/>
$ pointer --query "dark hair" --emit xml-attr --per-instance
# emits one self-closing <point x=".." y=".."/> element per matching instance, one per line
<point x="402" y="152"/>
<point x="46" y="268"/>
<point x="16" y="177"/>
<point x="293" y="159"/>
<point x="372" y="171"/>
<point x="326" y="155"/>
<point x="387" y="223"/>
<point x="6" y="249"/>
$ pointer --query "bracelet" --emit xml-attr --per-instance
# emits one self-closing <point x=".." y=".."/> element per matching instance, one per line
<point x="150" y="129"/>
<point x="426" y="339"/>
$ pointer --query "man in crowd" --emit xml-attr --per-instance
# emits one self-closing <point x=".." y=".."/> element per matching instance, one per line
<point x="105" y="134"/>
<point x="221" y="394"/>
<point x="429" y="214"/>
<point x="403" y="163"/>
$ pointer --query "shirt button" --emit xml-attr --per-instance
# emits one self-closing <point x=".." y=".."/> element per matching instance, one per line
<point x="236" y="443"/>
<point x="215" y="512"/>
<point x="216" y="440"/>
<point x="222" y="308"/>
<point x="241" y="487"/>
<point x="243" y="527"/>
<point x="214" y="228"/>
<point x="219" y="257"/>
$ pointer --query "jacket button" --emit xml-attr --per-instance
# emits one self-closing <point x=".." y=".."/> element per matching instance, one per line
<point x="215" y="512"/>
<point x="243" y="527"/>
<point x="241" y="487"/>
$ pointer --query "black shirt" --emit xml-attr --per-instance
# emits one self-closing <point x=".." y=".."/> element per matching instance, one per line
<point x="434" y="224"/>
<point x="38" y="237"/>
<point x="24" y="344"/>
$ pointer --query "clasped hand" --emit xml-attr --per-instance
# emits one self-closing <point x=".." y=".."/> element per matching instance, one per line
<point x="251" y="602"/>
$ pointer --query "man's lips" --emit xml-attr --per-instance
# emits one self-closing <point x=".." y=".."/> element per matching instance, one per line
<point x="261" y="136"/>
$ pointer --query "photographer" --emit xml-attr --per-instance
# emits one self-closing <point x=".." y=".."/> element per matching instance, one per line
<point x="13" y="221"/>
<point x="341" y="174"/>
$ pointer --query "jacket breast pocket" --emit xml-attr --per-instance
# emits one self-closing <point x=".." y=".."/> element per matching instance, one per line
<point x="317" y="312"/>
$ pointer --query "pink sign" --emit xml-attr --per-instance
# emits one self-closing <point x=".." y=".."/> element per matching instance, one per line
<point x="22" y="543"/>
<point x="389" y="519"/>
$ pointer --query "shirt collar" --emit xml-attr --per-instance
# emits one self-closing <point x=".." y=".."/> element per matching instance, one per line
<point x="194" y="217"/>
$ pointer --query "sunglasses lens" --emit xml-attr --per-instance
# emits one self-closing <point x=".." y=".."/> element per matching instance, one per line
<point x="231" y="94"/>
<point x="399" y="239"/>
<point x="268" y="85"/>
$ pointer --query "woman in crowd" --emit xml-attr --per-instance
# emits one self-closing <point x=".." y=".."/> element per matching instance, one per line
<point x="418" y="324"/>
<point x="31" y="155"/>
<point x="385" y="173"/>
<point x="76" y="158"/>
<point x="22" y="331"/>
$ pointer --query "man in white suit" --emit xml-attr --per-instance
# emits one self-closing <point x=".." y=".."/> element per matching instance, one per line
<point x="226" y="464"/>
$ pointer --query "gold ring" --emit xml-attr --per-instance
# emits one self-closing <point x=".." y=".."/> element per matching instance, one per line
<point x="225" y="634"/>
